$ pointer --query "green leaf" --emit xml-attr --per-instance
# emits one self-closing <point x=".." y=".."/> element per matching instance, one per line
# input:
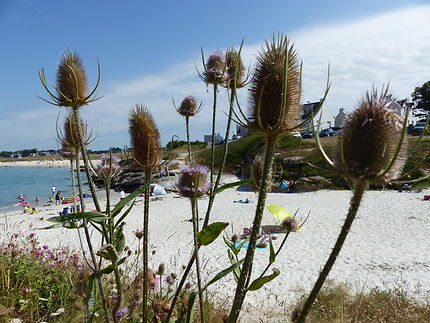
<point x="272" y="256"/>
<point x="240" y="245"/>
<point x="119" y="240"/>
<point x="211" y="232"/>
<point x="278" y="211"/>
<point x="223" y="273"/>
<point x="120" y="205"/>
<point x="90" y="301"/>
<point x="105" y="271"/>
<point x="119" y="262"/>
<point x="122" y="217"/>
<point x="234" y="184"/>
<point x="259" y="282"/>
<point x="94" y="216"/>
<point x="54" y="226"/>
<point x="191" y="307"/>
<point x="108" y="252"/>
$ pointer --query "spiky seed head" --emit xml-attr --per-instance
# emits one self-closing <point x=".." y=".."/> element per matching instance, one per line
<point x="369" y="139"/>
<point x="71" y="136"/>
<point x="188" y="107"/>
<point x="214" y="69"/>
<point x="71" y="81"/>
<point x="257" y="172"/>
<point x="144" y="137"/>
<point x="234" y="66"/>
<point x="67" y="152"/>
<point x="193" y="181"/>
<point x="267" y="113"/>
<point x="161" y="269"/>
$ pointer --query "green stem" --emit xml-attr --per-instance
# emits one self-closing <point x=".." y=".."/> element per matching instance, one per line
<point x="90" y="245"/>
<point x="359" y="190"/>
<point x="145" y="245"/>
<point x="245" y="274"/>
<point x="224" y="158"/>
<point x="196" y="256"/>
<point x="86" y="160"/>
<point x="187" y="126"/>
<point x="213" y="137"/>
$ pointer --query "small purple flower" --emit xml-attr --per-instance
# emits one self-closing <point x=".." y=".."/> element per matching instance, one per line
<point x="122" y="312"/>
<point x="45" y="247"/>
<point x="189" y="107"/>
<point x="108" y="166"/>
<point x="32" y="235"/>
<point x="55" y="279"/>
<point x="215" y="68"/>
<point x="38" y="254"/>
<point x="25" y="290"/>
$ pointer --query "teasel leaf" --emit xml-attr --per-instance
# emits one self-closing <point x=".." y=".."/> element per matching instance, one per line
<point x="259" y="282"/>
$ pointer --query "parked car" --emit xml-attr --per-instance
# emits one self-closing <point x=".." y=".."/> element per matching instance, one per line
<point x="296" y="134"/>
<point x="307" y="134"/>
<point x="418" y="128"/>
<point x="327" y="133"/>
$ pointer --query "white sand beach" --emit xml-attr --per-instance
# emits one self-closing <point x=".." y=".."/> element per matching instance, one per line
<point x="388" y="245"/>
<point x="36" y="163"/>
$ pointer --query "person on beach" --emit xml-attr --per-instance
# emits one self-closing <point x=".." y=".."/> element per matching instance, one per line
<point x="53" y="189"/>
<point x="33" y="211"/>
<point x="57" y="198"/>
<point x="21" y="197"/>
<point x="36" y="200"/>
<point x="121" y="194"/>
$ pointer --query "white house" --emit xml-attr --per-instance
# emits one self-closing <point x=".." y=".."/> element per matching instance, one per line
<point x="339" y="119"/>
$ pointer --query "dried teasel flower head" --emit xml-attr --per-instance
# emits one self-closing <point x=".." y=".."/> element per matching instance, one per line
<point x="257" y="173"/>
<point x="234" y="69"/>
<point x="214" y="69"/>
<point x="370" y="146"/>
<point x="289" y="224"/>
<point x="189" y="107"/>
<point x="70" y="135"/>
<point x="144" y="137"/>
<point x="273" y="109"/>
<point x="67" y="152"/>
<point x="71" y="81"/>
<point x="161" y="269"/>
<point x="193" y="181"/>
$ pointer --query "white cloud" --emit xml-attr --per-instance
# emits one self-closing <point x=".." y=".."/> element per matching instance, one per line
<point x="392" y="47"/>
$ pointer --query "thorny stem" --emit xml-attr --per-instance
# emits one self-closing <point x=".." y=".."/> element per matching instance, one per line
<point x="88" y="239"/>
<point x="359" y="190"/>
<point x="196" y="256"/>
<point x="145" y="245"/>
<point x="224" y="158"/>
<point x="213" y="137"/>
<point x="245" y="274"/>
<point x="187" y="126"/>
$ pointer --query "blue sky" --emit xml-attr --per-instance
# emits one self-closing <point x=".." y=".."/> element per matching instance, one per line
<point x="148" y="49"/>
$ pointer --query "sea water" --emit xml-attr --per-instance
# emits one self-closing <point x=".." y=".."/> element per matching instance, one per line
<point x="32" y="182"/>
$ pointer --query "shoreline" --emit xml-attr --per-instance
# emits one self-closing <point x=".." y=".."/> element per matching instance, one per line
<point x="36" y="163"/>
<point x="374" y="255"/>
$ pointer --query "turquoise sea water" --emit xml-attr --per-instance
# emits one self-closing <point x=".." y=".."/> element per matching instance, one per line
<point x="32" y="182"/>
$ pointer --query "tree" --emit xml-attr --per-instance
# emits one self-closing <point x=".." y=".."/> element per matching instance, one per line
<point x="421" y="98"/>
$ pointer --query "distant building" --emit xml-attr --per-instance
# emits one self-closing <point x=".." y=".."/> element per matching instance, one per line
<point x="207" y="139"/>
<point x="339" y="119"/>
<point x="400" y="106"/>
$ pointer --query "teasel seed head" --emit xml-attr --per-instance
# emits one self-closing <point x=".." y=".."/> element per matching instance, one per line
<point x="289" y="224"/>
<point x="234" y="68"/>
<point x="189" y="107"/>
<point x="193" y="181"/>
<point x="71" y="81"/>
<point x="144" y="137"/>
<point x="68" y="152"/>
<point x="257" y="173"/>
<point x="268" y="113"/>
<point x="161" y="269"/>
<point x="369" y="140"/>
<point x="70" y="136"/>
<point x="214" y="69"/>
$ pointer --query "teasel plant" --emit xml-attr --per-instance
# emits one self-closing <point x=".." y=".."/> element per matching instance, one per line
<point x="275" y="92"/>
<point x="145" y="147"/>
<point x="371" y="149"/>
<point x="187" y="109"/>
<point x="72" y="92"/>
<point x="193" y="184"/>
